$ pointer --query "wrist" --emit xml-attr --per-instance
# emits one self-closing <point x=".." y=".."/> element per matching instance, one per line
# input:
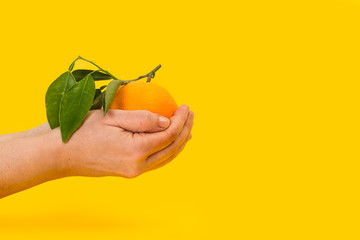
<point x="58" y="151"/>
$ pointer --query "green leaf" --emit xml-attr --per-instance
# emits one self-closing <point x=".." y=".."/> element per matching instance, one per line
<point x="97" y="93"/>
<point x="81" y="73"/>
<point x="97" y="102"/>
<point x="110" y="93"/>
<point x="75" y="105"/>
<point x="103" y="102"/>
<point x="55" y="92"/>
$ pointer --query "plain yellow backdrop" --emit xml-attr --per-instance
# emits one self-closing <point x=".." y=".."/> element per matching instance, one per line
<point x="275" y="90"/>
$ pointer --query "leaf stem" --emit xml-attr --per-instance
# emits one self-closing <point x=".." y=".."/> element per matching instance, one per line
<point x="73" y="64"/>
<point x="101" y="69"/>
<point x="150" y="75"/>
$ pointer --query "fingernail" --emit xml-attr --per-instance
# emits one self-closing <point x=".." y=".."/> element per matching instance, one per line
<point x="163" y="122"/>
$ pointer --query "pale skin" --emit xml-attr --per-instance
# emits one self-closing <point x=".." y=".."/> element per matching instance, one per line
<point x="123" y="143"/>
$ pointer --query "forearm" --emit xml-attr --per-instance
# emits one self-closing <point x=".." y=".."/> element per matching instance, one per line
<point x="28" y="161"/>
<point x="43" y="128"/>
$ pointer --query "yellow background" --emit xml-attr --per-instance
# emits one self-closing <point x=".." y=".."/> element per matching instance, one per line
<point x="275" y="90"/>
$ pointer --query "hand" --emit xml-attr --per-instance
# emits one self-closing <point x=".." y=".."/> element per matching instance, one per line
<point x="124" y="143"/>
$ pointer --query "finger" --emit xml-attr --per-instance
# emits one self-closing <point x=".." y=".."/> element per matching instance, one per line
<point x="163" y="163"/>
<point x="165" y="153"/>
<point x="166" y="161"/>
<point x="154" y="142"/>
<point x="137" y="120"/>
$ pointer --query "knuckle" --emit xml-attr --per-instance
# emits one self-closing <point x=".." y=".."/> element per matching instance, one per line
<point x="172" y="134"/>
<point x="133" y="171"/>
<point x="133" y="165"/>
<point x="145" y="118"/>
<point x="148" y="114"/>
<point x="173" y="151"/>
<point x="131" y="175"/>
<point x="137" y="156"/>
<point x="145" y="114"/>
<point x="151" y="118"/>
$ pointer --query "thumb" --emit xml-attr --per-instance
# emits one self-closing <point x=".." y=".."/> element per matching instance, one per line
<point x="137" y="120"/>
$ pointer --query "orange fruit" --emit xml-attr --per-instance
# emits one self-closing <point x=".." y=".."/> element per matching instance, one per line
<point x="144" y="96"/>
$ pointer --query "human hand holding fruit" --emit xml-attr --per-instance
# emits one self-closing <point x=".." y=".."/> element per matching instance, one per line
<point x="123" y="143"/>
<point x="137" y="150"/>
